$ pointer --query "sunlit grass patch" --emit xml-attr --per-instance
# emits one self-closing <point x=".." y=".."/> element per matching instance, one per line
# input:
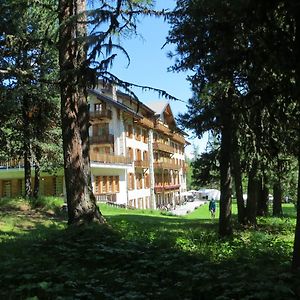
<point x="144" y="255"/>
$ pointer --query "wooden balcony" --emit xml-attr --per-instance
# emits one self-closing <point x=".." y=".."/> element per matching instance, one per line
<point x="170" y="187"/>
<point x="100" y="115"/>
<point x="166" y="165"/>
<point x="146" y="123"/>
<point x="142" y="164"/>
<point x="102" y="139"/>
<point x="166" y="187"/>
<point x="158" y="188"/>
<point x="157" y="146"/>
<point x="162" y="128"/>
<point x="109" y="158"/>
<point x="185" y="167"/>
<point x="107" y="197"/>
<point x="178" y="138"/>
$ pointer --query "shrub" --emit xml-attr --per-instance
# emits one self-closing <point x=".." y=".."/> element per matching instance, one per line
<point x="47" y="203"/>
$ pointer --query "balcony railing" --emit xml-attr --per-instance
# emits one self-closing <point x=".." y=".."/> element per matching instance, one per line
<point x="144" y="164"/>
<point x="166" y="165"/>
<point x="109" y="158"/>
<point x="13" y="163"/>
<point x="101" y="114"/>
<point x="166" y="187"/>
<point x="146" y="123"/>
<point x="157" y="146"/>
<point x="158" y="189"/>
<point x="178" y="138"/>
<point x="162" y="128"/>
<point x="172" y="187"/>
<point x="102" y="139"/>
<point x="106" y="197"/>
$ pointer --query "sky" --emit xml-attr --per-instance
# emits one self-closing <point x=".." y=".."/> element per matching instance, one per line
<point x="149" y="66"/>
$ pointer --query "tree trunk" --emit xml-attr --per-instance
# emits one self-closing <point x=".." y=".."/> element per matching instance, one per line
<point x="277" y="198"/>
<point x="264" y="204"/>
<point x="26" y="146"/>
<point x="259" y="197"/>
<point x="263" y="197"/>
<point x="37" y="172"/>
<point x="296" y="252"/>
<point x="27" y="170"/>
<point x="225" y="228"/>
<point x="237" y="175"/>
<point x="252" y="194"/>
<point x="82" y="206"/>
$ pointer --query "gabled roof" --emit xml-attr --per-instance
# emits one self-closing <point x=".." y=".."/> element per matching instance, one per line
<point x="158" y="106"/>
<point x="164" y="112"/>
<point x="117" y="104"/>
<point x="141" y="104"/>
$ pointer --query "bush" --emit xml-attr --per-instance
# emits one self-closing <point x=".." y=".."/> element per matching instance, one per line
<point x="47" y="203"/>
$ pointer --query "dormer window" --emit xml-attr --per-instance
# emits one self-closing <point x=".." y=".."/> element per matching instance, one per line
<point x="100" y="106"/>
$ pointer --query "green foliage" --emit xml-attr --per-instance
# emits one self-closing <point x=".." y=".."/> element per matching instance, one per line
<point x="205" y="169"/>
<point x="189" y="172"/>
<point x="29" y="68"/>
<point x="47" y="203"/>
<point x="144" y="255"/>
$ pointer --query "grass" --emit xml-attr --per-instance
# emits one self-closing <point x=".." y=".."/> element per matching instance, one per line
<point x="143" y="255"/>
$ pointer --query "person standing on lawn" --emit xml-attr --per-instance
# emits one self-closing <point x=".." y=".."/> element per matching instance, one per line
<point x="212" y="208"/>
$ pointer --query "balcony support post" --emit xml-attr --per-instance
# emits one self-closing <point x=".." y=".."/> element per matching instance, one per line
<point x="151" y="169"/>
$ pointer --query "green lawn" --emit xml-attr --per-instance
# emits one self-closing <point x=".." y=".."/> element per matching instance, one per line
<point x="143" y="255"/>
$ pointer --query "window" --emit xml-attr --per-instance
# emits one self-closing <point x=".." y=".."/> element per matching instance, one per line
<point x="166" y="180"/>
<point x="104" y="150"/>
<point x="147" y="181"/>
<point x="116" y="184"/>
<point x="174" y="179"/>
<point x="97" y="185"/>
<point x="100" y="106"/>
<point x="107" y="184"/>
<point x="130" y="153"/>
<point x="137" y="133"/>
<point x="147" y="200"/>
<point x="100" y="129"/>
<point x="104" y="185"/>
<point x="145" y="156"/>
<point x="144" y="136"/>
<point x="139" y="182"/>
<point x="158" y="179"/>
<point x="6" y="188"/>
<point x="129" y="131"/>
<point x="130" y="181"/>
<point x="138" y="154"/>
<point x="140" y="202"/>
<point x="110" y="182"/>
<point x="131" y="202"/>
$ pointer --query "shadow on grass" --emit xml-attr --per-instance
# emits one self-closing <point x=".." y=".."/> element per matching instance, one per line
<point x="143" y="257"/>
<point x="290" y="211"/>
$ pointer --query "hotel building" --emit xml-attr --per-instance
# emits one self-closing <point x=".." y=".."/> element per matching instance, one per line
<point x="136" y="153"/>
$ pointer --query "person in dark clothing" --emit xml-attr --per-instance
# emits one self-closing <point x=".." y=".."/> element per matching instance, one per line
<point x="212" y="208"/>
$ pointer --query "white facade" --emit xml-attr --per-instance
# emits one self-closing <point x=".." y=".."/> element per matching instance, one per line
<point x="136" y="153"/>
<point x="159" y="169"/>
